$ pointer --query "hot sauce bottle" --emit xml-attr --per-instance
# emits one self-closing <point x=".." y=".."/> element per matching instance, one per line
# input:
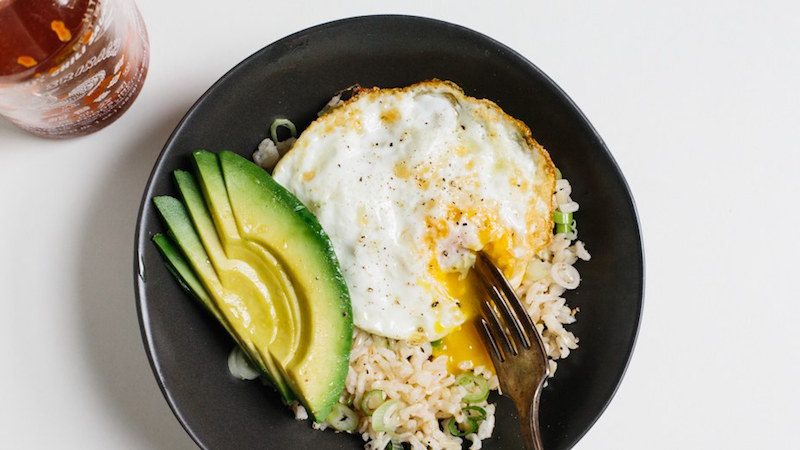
<point x="70" y="67"/>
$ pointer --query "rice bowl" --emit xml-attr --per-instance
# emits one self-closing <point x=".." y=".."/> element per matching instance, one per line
<point x="569" y="405"/>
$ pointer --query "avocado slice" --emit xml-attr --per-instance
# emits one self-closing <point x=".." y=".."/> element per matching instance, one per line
<point x="182" y="271"/>
<point x="213" y="186"/>
<point x="258" y="323"/>
<point x="274" y="287"/>
<point x="215" y="193"/>
<point x="270" y="216"/>
<point x="229" y="303"/>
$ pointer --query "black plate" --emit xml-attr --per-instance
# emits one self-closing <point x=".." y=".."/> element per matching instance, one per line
<point x="294" y="78"/>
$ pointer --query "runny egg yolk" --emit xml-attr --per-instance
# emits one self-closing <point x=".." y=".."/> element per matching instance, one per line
<point x="464" y="343"/>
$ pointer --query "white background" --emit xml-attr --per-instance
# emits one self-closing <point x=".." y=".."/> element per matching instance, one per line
<point x="697" y="100"/>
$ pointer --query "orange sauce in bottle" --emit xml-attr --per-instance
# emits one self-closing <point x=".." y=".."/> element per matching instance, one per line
<point x="70" y="67"/>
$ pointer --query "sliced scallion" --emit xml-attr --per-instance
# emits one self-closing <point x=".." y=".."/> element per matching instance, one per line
<point x="342" y="418"/>
<point x="436" y="344"/>
<point x="379" y="416"/>
<point x="477" y="387"/>
<point x="562" y="217"/>
<point x="281" y="122"/>
<point x="558" y="174"/>
<point x="474" y="412"/>
<point x="461" y="429"/>
<point x="372" y="400"/>
<point x="562" y="228"/>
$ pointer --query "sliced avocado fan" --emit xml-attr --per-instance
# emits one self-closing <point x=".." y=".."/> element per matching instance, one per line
<point x="260" y="263"/>
<point x="228" y="304"/>
<point x="182" y="271"/>
<point x="252" y="316"/>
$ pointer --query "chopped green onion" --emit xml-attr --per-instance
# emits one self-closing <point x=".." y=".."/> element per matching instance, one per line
<point x="477" y="387"/>
<point x="451" y="426"/>
<point x="342" y="418"/>
<point x="558" y="174"/>
<point x="474" y="412"/>
<point x="436" y="344"/>
<point x="562" y="217"/>
<point x="562" y="228"/>
<point x="461" y="429"/>
<point x="379" y="416"/>
<point x="286" y="123"/>
<point x="372" y="400"/>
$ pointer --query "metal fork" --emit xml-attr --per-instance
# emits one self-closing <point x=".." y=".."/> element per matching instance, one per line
<point x="515" y="347"/>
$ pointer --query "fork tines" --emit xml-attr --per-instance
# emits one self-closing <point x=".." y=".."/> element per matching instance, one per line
<point x="504" y="317"/>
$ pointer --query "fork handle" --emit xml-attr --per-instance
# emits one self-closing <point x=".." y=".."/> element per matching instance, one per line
<point x="529" y="421"/>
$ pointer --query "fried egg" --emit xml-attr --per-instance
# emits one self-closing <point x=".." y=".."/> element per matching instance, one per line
<point x="409" y="183"/>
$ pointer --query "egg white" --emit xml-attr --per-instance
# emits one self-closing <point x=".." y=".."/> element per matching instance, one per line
<point x="409" y="183"/>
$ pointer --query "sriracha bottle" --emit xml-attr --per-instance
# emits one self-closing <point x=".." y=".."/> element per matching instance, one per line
<point x="70" y="67"/>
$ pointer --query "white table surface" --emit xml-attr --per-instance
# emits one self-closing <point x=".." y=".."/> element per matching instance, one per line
<point x="697" y="100"/>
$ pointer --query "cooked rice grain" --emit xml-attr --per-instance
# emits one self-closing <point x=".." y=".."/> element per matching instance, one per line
<point x="410" y="374"/>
